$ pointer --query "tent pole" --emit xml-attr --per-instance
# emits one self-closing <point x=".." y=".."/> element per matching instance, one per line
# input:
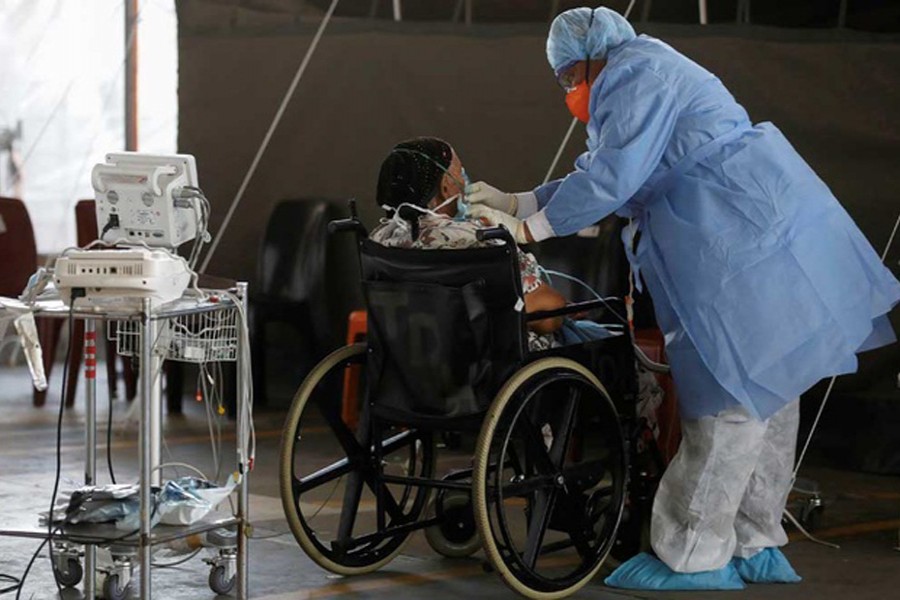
<point x="131" y="75"/>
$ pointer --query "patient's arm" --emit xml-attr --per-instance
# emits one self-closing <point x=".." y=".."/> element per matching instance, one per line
<point x="544" y="298"/>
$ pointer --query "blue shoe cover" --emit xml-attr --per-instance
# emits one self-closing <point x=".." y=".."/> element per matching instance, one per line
<point x="646" y="572"/>
<point x="768" y="566"/>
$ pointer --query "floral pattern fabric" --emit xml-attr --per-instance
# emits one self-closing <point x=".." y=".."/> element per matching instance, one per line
<point x="439" y="232"/>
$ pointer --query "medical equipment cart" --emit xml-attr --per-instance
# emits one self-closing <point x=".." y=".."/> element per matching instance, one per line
<point x="189" y="330"/>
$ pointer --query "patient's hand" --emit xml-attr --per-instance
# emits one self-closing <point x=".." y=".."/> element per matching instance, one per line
<point x="544" y="298"/>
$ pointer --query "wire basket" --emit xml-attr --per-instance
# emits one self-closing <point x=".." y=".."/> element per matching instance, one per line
<point x="202" y="337"/>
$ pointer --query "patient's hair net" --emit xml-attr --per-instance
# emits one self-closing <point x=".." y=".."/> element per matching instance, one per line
<point x="574" y="36"/>
<point x="412" y="172"/>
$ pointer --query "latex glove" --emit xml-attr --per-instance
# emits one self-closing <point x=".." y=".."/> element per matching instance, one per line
<point x="483" y="193"/>
<point x="28" y="336"/>
<point x="492" y="216"/>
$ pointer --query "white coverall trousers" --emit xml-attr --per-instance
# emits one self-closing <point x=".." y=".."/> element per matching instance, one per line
<point x="724" y="492"/>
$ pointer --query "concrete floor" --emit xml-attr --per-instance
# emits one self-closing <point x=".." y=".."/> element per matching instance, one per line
<point x="862" y="516"/>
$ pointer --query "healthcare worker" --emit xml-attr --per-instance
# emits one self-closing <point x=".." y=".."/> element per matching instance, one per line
<point x="761" y="282"/>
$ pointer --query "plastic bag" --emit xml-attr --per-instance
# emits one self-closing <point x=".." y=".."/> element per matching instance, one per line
<point x="186" y="500"/>
<point x="119" y="504"/>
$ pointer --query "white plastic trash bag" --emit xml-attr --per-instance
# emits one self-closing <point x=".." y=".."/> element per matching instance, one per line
<point x="186" y="500"/>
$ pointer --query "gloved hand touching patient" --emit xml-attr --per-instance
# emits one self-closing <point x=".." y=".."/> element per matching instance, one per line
<point x="482" y="193"/>
<point x="492" y="216"/>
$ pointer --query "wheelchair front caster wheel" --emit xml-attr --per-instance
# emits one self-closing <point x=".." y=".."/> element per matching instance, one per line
<point x="219" y="581"/>
<point x="456" y="536"/>
<point x="112" y="590"/>
<point x="72" y="574"/>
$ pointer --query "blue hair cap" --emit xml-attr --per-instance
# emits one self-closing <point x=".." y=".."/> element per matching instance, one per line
<point x="575" y="36"/>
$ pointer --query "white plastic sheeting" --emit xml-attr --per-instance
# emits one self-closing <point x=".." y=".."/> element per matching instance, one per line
<point x="62" y="75"/>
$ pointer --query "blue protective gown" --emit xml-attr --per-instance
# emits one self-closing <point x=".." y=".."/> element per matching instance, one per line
<point x="762" y="283"/>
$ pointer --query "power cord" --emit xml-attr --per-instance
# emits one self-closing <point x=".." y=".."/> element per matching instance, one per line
<point x="112" y="223"/>
<point x="76" y="293"/>
<point x="28" y="568"/>
<point x="109" y="420"/>
<point x="193" y="197"/>
<point x="10" y="579"/>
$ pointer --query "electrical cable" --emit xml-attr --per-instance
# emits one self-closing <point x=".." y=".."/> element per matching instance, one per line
<point x="11" y="579"/>
<point x="248" y="429"/>
<point x="827" y="395"/>
<point x="62" y="404"/>
<point x="200" y="203"/>
<point x="109" y="420"/>
<point x="807" y="534"/>
<point x="28" y="568"/>
<point x="218" y="420"/>
<point x="210" y="393"/>
<point x="168" y="565"/>
<point x="206" y="398"/>
<point x="825" y="398"/>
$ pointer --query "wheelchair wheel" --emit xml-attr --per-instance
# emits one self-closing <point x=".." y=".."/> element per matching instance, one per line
<point x="329" y="475"/>
<point x="549" y="479"/>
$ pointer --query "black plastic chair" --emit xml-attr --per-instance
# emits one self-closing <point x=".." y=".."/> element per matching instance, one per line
<point x="305" y="279"/>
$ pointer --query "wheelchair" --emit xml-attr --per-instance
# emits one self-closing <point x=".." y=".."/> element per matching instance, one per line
<point x="557" y="479"/>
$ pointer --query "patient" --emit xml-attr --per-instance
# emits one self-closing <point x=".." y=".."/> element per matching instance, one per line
<point x="420" y="181"/>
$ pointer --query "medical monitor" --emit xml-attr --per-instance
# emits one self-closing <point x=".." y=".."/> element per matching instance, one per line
<point x="139" y="199"/>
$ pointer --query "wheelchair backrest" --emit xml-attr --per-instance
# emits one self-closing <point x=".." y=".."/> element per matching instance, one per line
<point x="446" y="328"/>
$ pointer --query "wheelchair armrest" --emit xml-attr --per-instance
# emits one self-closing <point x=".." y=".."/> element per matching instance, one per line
<point x="569" y="309"/>
<point x="495" y="233"/>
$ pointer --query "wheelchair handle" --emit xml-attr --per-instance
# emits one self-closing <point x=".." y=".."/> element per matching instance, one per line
<point x="344" y="225"/>
<point x="495" y="233"/>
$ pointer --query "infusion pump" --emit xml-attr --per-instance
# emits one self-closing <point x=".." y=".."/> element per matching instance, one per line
<point x="120" y="278"/>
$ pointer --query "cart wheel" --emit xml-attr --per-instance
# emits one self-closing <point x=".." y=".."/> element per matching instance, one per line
<point x="456" y="536"/>
<point x="549" y="479"/>
<point x="111" y="589"/>
<point x="73" y="574"/>
<point x="217" y="581"/>
<point x="329" y="478"/>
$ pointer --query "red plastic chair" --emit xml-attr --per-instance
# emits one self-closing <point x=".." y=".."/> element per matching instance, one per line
<point x="357" y="328"/>
<point x="20" y="261"/>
